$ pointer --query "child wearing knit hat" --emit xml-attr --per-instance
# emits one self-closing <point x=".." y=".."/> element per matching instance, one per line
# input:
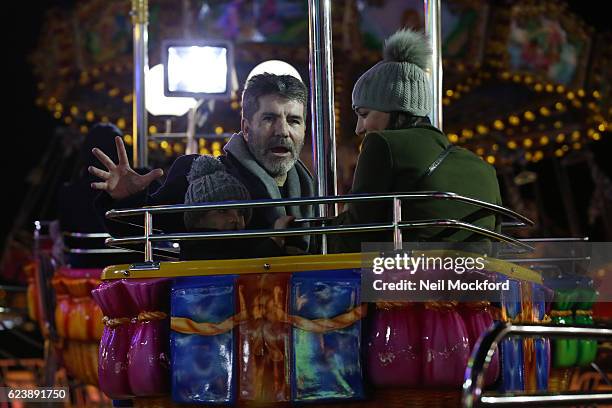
<point x="209" y="181"/>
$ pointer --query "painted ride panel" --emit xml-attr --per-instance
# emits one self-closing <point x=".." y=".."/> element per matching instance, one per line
<point x="292" y="329"/>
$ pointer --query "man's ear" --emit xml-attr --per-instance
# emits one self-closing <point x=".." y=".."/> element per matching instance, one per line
<point x="245" y="127"/>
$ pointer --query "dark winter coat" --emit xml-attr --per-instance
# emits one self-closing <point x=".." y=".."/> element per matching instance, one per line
<point x="75" y="205"/>
<point x="395" y="161"/>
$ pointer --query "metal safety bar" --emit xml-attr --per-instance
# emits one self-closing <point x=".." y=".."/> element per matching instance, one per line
<point x="91" y="251"/>
<point x="423" y="195"/>
<point x="88" y="235"/>
<point x="96" y="251"/>
<point x="534" y="241"/>
<point x="13" y="288"/>
<point x="396" y="226"/>
<point x="315" y="231"/>
<point x="485" y="348"/>
<point x="565" y="239"/>
<point x="549" y="259"/>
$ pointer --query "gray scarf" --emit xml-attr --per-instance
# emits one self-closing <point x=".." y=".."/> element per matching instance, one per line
<point x="299" y="181"/>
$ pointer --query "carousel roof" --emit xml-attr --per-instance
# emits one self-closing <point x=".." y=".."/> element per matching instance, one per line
<point x="522" y="80"/>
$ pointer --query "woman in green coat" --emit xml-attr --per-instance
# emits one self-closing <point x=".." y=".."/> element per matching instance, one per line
<point x="402" y="152"/>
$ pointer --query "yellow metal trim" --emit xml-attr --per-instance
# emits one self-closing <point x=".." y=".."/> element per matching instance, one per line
<point x="298" y="263"/>
<point x="514" y="271"/>
<point x="301" y="263"/>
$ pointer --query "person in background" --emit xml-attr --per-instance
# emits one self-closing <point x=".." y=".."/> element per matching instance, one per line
<point x="75" y="199"/>
<point x="75" y="205"/>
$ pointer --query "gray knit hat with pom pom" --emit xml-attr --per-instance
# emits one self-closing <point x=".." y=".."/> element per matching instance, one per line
<point x="209" y="181"/>
<point x="398" y="82"/>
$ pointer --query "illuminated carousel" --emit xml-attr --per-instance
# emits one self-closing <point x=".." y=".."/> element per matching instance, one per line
<point x="525" y="87"/>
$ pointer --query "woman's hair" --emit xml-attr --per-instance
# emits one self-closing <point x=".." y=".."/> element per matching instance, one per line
<point x="403" y="120"/>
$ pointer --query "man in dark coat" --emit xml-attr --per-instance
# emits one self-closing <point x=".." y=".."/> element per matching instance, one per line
<point x="263" y="156"/>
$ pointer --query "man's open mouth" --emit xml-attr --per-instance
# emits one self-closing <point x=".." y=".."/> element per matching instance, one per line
<point x="280" y="150"/>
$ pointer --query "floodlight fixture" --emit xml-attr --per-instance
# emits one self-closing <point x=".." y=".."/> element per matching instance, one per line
<point x="159" y="104"/>
<point x="198" y="69"/>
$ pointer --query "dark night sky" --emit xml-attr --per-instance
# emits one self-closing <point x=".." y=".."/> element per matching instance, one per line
<point x="30" y="128"/>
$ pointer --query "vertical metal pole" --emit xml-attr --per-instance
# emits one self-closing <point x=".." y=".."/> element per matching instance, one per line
<point x="148" y="229"/>
<point x="191" y="147"/>
<point x="433" y="24"/>
<point x="45" y="302"/>
<point x="186" y="17"/>
<point x="397" y="218"/>
<point x="322" y="104"/>
<point x="140" y="21"/>
<point x="36" y="246"/>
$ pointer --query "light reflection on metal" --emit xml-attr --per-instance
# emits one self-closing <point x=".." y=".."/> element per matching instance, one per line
<point x="397" y="217"/>
<point x="140" y="21"/>
<point x="322" y="104"/>
<point x="148" y="230"/>
<point x="433" y="23"/>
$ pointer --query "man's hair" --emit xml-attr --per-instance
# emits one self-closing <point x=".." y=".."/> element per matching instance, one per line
<point x="286" y="86"/>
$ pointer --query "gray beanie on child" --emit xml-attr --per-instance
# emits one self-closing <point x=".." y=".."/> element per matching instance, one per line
<point x="398" y="82"/>
<point x="209" y="181"/>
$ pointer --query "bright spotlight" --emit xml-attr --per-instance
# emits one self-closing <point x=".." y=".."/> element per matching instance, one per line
<point x="159" y="104"/>
<point x="276" y="67"/>
<point x="199" y="69"/>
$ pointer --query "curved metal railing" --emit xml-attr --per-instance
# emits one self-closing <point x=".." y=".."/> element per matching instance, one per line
<point x="422" y="195"/>
<point x="85" y="235"/>
<point x="483" y="353"/>
<point x="397" y="225"/>
<point x="90" y="236"/>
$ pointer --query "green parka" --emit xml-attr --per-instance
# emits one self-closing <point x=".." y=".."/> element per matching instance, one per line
<point x="395" y="161"/>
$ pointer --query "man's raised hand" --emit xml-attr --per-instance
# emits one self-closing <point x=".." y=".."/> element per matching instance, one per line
<point x="120" y="180"/>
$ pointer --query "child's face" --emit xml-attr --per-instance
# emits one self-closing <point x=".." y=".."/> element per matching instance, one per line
<point x="222" y="220"/>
